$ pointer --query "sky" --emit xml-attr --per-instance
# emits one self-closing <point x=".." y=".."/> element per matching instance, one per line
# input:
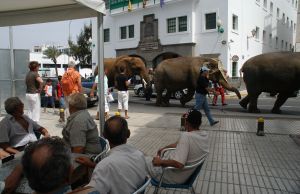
<point x="53" y="33"/>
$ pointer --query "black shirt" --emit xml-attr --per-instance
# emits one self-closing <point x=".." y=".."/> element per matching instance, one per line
<point x="202" y="83"/>
<point x="121" y="82"/>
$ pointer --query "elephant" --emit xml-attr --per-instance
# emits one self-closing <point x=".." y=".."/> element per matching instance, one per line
<point x="277" y="72"/>
<point x="133" y="66"/>
<point x="183" y="72"/>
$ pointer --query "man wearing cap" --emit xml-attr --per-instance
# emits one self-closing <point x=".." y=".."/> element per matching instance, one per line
<point x="202" y="90"/>
<point x="190" y="148"/>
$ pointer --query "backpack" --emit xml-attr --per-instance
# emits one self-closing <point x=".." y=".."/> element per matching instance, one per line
<point x="68" y="84"/>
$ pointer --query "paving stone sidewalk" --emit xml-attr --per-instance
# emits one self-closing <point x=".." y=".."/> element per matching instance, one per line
<point x="239" y="161"/>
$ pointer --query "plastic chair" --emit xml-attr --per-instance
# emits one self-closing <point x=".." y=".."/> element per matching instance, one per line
<point x="105" y="146"/>
<point x="142" y="189"/>
<point x="188" y="184"/>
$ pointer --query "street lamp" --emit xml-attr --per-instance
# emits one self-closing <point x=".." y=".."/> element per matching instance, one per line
<point x="219" y="25"/>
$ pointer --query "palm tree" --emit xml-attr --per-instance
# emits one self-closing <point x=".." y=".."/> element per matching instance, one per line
<point x="53" y="53"/>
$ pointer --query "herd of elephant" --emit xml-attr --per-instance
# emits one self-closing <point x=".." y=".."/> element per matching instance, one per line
<point x="275" y="73"/>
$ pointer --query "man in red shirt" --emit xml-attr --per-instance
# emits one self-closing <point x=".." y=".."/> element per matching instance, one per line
<point x="59" y="95"/>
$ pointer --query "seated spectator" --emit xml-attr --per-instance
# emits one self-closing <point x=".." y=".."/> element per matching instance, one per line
<point x="3" y="154"/>
<point x="190" y="148"/>
<point x="47" y="166"/>
<point x="124" y="168"/>
<point x="16" y="129"/>
<point x="81" y="132"/>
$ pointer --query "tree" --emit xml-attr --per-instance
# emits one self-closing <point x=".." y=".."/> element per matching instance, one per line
<point x="53" y="53"/>
<point x="81" y="50"/>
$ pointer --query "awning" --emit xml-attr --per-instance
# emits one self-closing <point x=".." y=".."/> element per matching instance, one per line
<point x="22" y="12"/>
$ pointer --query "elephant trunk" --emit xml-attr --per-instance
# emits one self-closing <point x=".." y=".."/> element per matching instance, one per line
<point x="230" y="88"/>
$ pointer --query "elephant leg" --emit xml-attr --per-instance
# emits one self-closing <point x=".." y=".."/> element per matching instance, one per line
<point x="281" y="98"/>
<point x="167" y="98"/>
<point x="244" y="102"/>
<point x="187" y="97"/>
<point x="253" y="102"/>
<point x="159" y="97"/>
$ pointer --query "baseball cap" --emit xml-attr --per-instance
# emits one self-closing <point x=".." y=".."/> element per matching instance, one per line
<point x="204" y="68"/>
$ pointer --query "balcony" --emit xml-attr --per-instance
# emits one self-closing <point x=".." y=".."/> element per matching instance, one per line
<point x="123" y="4"/>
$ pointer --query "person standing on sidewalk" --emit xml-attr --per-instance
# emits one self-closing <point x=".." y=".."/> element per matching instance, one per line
<point x="59" y="96"/>
<point x="34" y="85"/>
<point x="202" y="90"/>
<point x="106" y="92"/>
<point x="71" y="83"/>
<point x="122" y="84"/>
<point x="49" y="95"/>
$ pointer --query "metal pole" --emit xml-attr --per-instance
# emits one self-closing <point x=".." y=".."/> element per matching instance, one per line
<point x="69" y="38"/>
<point x="12" y="62"/>
<point x="100" y="58"/>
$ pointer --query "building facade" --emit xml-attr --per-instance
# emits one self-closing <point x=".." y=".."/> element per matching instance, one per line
<point x="232" y="30"/>
<point x="298" y="32"/>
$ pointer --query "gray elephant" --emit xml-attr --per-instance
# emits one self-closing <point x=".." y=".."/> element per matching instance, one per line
<point x="181" y="73"/>
<point x="273" y="73"/>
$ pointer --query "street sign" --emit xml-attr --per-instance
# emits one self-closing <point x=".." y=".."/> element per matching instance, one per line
<point x="235" y="58"/>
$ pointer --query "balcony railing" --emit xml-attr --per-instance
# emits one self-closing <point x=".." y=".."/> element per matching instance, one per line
<point x="115" y="4"/>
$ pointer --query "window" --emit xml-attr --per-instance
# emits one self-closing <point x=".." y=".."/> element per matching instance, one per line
<point x="265" y="4"/>
<point x="276" y="42"/>
<point x="290" y="47"/>
<point x="264" y="35"/>
<point x="171" y="25"/>
<point x="281" y="44"/>
<point x="283" y="18"/>
<point x="127" y="32"/>
<point x="234" y="69"/>
<point x="271" y="7"/>
<point x="131" y="31"/>
<point x="106" y="35"/>
<point x="235" y="22"/>
<point x="287" y="21"/>
<point x="294" y="27"/>
<point x="292" y="24"/>
<point x="286" y="44"/>
<point x="123" y="32"/>
<point x="182" y="24"/>
<point x="278" y="12"/>
<point x="257" y="32"/>
<point x="210" y="21"/>
<point x="270" y="39"/>
<point x="296" y="5"/>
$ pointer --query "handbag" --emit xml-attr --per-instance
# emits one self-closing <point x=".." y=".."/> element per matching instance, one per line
<point x="110" y="98"/>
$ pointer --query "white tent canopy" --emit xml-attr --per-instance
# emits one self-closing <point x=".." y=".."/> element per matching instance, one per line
<point x="22" y="12"/>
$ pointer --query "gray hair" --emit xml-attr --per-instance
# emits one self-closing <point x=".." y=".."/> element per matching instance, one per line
<point x="78" y="101"/>
<point x="11" y="104"/>
<point x="71" y="64"/>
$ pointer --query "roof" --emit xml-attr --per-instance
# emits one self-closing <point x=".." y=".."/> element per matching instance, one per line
<point x="22" y="12"/>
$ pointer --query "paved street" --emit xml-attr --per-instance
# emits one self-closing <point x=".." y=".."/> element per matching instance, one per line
<point x="239" y="161"/>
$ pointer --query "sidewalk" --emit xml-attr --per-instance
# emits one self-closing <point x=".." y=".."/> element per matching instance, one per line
<point x="239" y="161"/>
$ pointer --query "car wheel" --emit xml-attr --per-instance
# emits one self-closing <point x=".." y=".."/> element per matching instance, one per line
<point x="178" y="95"/>
<point x="141" y="92"/>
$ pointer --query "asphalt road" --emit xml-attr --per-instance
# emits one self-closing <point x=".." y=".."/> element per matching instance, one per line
<point x="291" y="109"/>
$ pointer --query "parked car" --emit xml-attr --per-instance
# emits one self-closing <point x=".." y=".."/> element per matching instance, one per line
<point x="87" y="82"/>
<point x="139" y="90"/>
<point x="86" y="91"/>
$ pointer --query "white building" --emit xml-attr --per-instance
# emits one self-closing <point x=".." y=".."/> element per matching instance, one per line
<point x="193" y="28"/>
<point x="47" y="67"/>
<point x="298" y="32"/>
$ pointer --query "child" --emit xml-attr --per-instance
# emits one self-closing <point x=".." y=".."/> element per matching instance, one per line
<point x="48" y="95"/>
